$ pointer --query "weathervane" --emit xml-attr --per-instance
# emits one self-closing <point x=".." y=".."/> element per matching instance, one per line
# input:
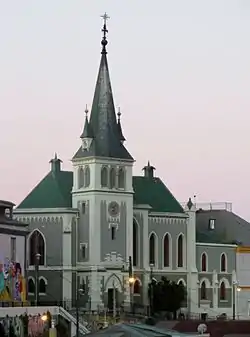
<point x="105" y="31"/>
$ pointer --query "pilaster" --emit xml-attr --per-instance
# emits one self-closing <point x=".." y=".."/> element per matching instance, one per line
<point x="215" y="284"/>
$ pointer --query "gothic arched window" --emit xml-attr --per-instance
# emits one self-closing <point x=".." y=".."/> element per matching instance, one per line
<point x="152" y="249"/>
<point x="121" y="178"/>
<point x="204" y="262"/>
<point x="104" y="177"/>
<point x="31" y="286"/>
<point x="166" y="250"/>
<point x="80" y="177"/>
<point x="112" y="178"/>
<point x="223" y="263"/>
<point x="36" y="249"/>
<point x="137" y="287"/>
<point x="86" y="176"/>
<point x="180" y="251"/>
<point x="203" y="291"/>
<point x="222" y="291"/>
<point x="135" y="243"/>
<point x="42" y="286"/>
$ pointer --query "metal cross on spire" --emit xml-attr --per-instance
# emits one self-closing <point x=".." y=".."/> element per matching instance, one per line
<point x="105" y="31"/>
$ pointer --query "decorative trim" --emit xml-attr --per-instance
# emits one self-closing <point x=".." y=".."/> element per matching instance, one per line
<point x="217" y="245"/>
<point x="183" y="282"/>
<point x="168" y="214"/>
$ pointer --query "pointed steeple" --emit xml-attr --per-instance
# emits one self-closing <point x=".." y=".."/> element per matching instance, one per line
<point x="104" y="126"/>
<point x="122" y="138"/>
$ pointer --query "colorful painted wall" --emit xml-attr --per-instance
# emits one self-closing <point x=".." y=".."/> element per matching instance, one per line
<point x="12" y="280"/>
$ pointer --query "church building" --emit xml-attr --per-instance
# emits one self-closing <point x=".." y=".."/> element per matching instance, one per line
<point x="85" y="224"/>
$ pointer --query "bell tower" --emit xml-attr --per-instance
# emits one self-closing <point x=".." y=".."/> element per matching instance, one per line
<point x="102" y="187"/>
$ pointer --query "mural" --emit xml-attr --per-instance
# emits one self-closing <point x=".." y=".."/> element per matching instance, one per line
<point x="12" y="282"/>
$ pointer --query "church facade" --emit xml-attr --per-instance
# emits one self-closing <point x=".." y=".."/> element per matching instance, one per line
<point x="85" y="224"/>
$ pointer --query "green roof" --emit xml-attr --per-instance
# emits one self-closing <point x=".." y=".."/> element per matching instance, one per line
<point x="153" y="192"/>
<point x="54" y="191"/>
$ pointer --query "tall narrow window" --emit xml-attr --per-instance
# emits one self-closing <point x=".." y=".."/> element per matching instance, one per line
<point x="112" y="178"/>
<point x="222" y="291"/>
<point x="204" y="262"/>
<point x="135" y="243"/>
<point x="166" y="250"/>
<point x="80" y="177"/>
<point x="180" y="251"/>
<point x="104" y="177"/>
<point x="31" y="286"/>
<point x="121" y="178"/>
<point x="13" y="249"/>
<point x="203" y="291"/>
<point x="42" y="286"/>
<point x="36" y="249"/>
<point x="113" y="232"/>
<point x="83" y="249"/>
<point x="152" y="249"/>
<point x="86" y="176"/>
<point x="223" y="263"/>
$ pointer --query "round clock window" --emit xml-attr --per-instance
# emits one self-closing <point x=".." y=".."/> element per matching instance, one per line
<point x="113" y="208"/>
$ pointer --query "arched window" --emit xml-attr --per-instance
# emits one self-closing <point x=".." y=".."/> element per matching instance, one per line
<point x="152" y="249"/>
<point x="203" y="291"/>
<point x="180" y="251"/>
<point x="80" y="177"/>
<point x="222" y="291"/>
<point x="86" y="176"/>
<point x="36" y="249"/>
<point x="135" y="243"/>
<point x="104" y="177"/>
<point x="42" y="286"/>
<point x="137" y="287"/>
<point x="121" y="178"/>
<point x="31" y="286"/>
<point x="223" y="263"/>
<point x="166" y="250"/>
<point x="204" y="262"/>
<point x="112" y="178"/>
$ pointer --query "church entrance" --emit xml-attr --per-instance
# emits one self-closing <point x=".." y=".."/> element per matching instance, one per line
<point x="112" y="299"/>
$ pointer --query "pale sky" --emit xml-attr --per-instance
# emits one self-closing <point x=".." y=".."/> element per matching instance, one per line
<point x="180" y="73"/>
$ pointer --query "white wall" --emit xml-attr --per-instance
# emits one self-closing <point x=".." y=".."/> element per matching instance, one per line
<point x="5" y="248"/>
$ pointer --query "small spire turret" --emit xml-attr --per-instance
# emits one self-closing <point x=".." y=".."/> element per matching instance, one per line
<point x="55" y="164"/>
<point x="149" y="171"/>
<point x="119" y="127"/>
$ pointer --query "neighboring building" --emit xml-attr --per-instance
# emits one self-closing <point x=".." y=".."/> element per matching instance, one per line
<point x="219" y="224"/>
<point x="13" y="240"/>
<point x="87" y="223"/>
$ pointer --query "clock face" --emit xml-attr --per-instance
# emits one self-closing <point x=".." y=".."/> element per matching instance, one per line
<point x="113" y="208"/>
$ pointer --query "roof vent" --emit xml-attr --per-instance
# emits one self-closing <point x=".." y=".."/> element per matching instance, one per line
<point x="149" y="171"/>
<point x="55" y="164"/>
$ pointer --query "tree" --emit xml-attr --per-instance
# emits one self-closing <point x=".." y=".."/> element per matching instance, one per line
<point x="167" y="296"/>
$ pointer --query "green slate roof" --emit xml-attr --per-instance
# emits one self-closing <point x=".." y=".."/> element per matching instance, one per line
<point x="54" y="191"/>
<point x="152" y="191"/>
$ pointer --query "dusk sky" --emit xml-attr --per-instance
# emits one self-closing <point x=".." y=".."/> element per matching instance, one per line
<point x="180" y="73"/>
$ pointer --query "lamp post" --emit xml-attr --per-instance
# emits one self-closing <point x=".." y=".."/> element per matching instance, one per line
<point x="37" y="261"/>
<point x="151" y="295"/>
<point x="236" y="289"/>
<point x="79" y="293"/>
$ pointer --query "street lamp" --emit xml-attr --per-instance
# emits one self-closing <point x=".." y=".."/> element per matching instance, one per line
<point x="37" y="261"/>
<point x="235" y="290"/>
<point x="79" y="293"/>
<point x="151" y="295"/>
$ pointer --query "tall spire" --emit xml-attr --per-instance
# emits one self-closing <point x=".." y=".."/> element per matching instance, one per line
<point x="103" y="122"/>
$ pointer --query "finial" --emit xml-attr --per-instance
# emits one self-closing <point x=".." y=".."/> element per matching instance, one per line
<point x="105" y="31"/>
<point x="148" y="163"/>
<point x="86" y="110"/>
<point x="119" y="114"/>
<point x="55" y="156"/>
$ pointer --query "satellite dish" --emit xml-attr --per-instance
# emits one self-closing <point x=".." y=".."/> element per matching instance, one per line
<point x="202" y="328"/>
